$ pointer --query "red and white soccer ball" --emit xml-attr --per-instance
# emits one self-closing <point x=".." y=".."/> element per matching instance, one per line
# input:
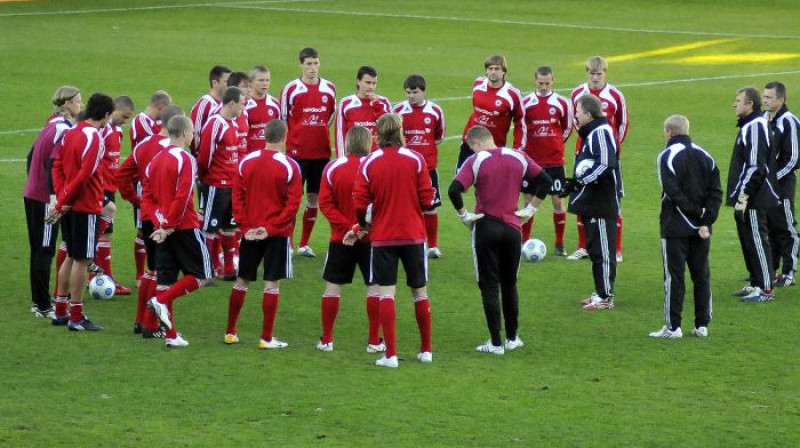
<point x="102" y="287"/>
<point x="534" y="250"/>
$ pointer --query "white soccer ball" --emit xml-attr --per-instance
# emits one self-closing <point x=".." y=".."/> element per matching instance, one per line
<point x="534" y="250"/>
<point x="583" y="166"/>
<point x="102" y="287"/>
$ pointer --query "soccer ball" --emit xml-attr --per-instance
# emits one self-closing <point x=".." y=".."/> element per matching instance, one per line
<point x="533" y="250"/>
<point x="583" y="166"/>
<point x="102" y="287"/>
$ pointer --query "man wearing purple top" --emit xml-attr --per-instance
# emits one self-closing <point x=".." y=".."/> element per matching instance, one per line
<point x="39" y="197"/>
<point x="497" y="174"/>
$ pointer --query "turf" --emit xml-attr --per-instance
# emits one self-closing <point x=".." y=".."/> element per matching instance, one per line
<point x="582" y="379"/>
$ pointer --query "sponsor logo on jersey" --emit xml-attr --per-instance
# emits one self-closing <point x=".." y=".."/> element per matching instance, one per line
<point x="315" y="110"/>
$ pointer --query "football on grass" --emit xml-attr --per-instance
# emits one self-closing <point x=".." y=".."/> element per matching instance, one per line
<point x="533" y="250"/>
<point x="102" y="287"/>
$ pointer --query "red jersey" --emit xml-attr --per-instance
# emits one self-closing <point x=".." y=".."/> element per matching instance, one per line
<point x="142" y="126"/>
<point x="171" y="176"/>
<point x="397" y="184"/>
<point x="202" y="110"/>
<point x="308" y="110"/>
<point x="354" y="111"/>
<point x="112" y="140"/>
<point x="549" y="122"/>
<point x="423" y="128"/>
<point x="242" y="130"/>
<point x="218" y="153"/>
<point x="76" y="171"/>
<point x="336" y="194"/>
<point x="495" y="109"/>
<point x="133" y="170"/>
<point x="259" y="113"/>
<point x="613" y="105"/>
<point x="267" y="192"/>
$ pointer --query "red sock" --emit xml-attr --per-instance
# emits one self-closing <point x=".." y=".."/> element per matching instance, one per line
<point x="309" y="218"/>
<point x="422" y="309"/>
<point x="387" y="322"/>
<point x="142" y="297"/>
<point x="60" y="257"/>
<point x="432" y="229"/>
<point x="185" y="285"/>
<point x="581" y="234"/>
<point x="151" y="321"/>
<point x="619" y="234"/>
<point x="102" y="256"/>
<point x="61" y="305"/>
<point x="75" y="312"/>
<point x="560" y="224"/>
<point x="173" y="333"/>
<point x="235" y="304"/>
<point x="139" y="255"/>
<point x="105" y="221"/>
<point x="228" y="243"/>
<point x="269" y="307"/>
<point x="374" y="319"/>
<point x="526" y="230"/>
<point x="215" y="243"/>
<point x="330" y="308"/>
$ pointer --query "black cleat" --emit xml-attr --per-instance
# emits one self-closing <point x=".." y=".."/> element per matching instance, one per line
<point x="61" y="321"/>
<point x="95" y="269"/>
<point x="153" y="334"/>
<point x="137" y="328"/>
<point x="84" y="325"/>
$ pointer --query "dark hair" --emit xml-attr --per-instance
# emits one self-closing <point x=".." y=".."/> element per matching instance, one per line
<point x="751" y="95"/>
<point x="275" y="131"/>
<point x="124" y="102"/>
<point x="780" y="89"/>
<point x="414" y="82"/>
<point x="236" y="78"/>
<point x="216" y="73"/>
<point x="544" y="70"/>
<point x="232" y="94"/>
<point x="366" y="70"/>
<point x="496" y="60"/>
<point x="591" y="105"/>
<point x="98" y="106"/>
<point x="308" y="52"/>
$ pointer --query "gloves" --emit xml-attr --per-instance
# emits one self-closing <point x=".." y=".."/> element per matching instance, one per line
<point x="526" y="213"/>
<point x="741" y="203"/>
<point x="469" y="218"/>
<point x="570" y="184"/>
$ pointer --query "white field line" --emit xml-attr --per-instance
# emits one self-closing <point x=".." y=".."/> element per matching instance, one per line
<point x="511" y="22"/>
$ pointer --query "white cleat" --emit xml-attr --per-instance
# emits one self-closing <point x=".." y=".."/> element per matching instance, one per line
<point x="489" y="348"/>
<point x="271" y="344"/>
<point x="387" y="362"/>
<point x="376" y="348"/>
<point x="177" y="342"/>
<point x="231" y="339"/>
<point x="425" y="357"/>
<point x="700" y="332"/>
<point x="161" y="311"/>
<point x="619" y="257"/>
<point x="306" y="251"/>
<point x="666" y="333"/>
<point x="579" y="254"/>
<point x="325" y="347"/>
<point x="513" y="344"/>
<point x="434" y="252"/>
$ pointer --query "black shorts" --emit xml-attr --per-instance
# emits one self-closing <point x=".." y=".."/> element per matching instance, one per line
<point x="137" y="214"/>
<point x="463" y="154"/>
<point x="437" y="195"/>
<point x="217" y="206"/>
<point x="557" y="173"/>
<point x="311" y="170"/>
<point x="275" y="251"/>
<point x="109" y="196"/>
<point x="185" y="251"/>
<point x="149" y="244"/>
<point x="383" y="266"/>
<point x="79" y="231"/>
<point x="341" y="261"/>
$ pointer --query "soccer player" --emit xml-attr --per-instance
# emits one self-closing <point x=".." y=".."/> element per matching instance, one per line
<point x="395" y="180"/>
<point x="616" y="112"/>
<point x="218" y="158"/>
<point x="595" y="197"/>
<point x="144" y="125"/>
<point x="752" y="187"/>
<point x="131" y="172"/>
<point x="336" y="203"/>
<point x="497" y="174"/>
<point x="308" y="105"/>
<point x="261" y="107"/>
<point x="548" y="121"/>
<point x="495" y="104"/>
<point x="112" y="140"/>
<point x="362" y="109"/>
<point x="208" y="103"/>
<point x="40" y="198"/>
<point x="180" y="243"/>
<point x="690" y="203"/>
<point x="266" y="196"/>
<point x="424" y="130"/>
<point x="79" y="192"/>
<point x="780" y="220"/>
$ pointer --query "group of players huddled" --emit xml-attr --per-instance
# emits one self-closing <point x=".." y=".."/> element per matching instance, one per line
<point x="251" y="153"/>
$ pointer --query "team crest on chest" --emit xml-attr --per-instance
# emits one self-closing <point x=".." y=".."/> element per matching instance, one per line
<point x="552" y="111"/>
<point x="271" y="113"/>
<point x="605" y="105"/>
<point x="324" y="99"/>
<point x="427" y="120"/>
<point x="498" y="103"/>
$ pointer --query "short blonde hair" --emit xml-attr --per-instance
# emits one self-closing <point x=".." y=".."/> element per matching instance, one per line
<point x="677" y="124"/>
<point x="596" y="63"/>
<point x="64" y="94"/>
<point x="358" y="141"/>
<point x="390" y="130"/>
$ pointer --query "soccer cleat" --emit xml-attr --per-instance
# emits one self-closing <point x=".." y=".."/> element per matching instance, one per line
<point x="579" y="254"/>
<point x="619" y="257"/>
<point x="59" y="321"/>
<point x="271" y="344"/>
<point x="376" y="348"/>
<point x="161" y="312"/>
<point x="434" y="252"/>
<point x="95" y="269"/>
<point x="48" y="313"/>
<point x="513" y="344"/>
<point x="387" y="362"/>
<point x="757" y="295"/>
<point x="228" y="277"/>
<point x="599" y="304"/>
<point x="784" y="281"/>
<point x="137" y="328"/>
<point x="590" y="299"/>
<point x="84" y="325"/>
<point x="666" y="333"/>
<point x="177" y="342"/>
<point x="122" y="290"/>
<point x="745" y="291"/>
<point x="231" y="338"/>
<point x="306" y="251"/>
<point x="488" y="347"/>
<point x="700" y="332"/>
<point x="158" y="333"/>
<point x="560" y="252"/>
<point x="325" y="347"/>
<point x="425" y="357"/>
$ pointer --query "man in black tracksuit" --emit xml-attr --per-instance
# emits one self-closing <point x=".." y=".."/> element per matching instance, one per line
<point x="690" y="203"/>
<point x="780" y="220"/>
<point x="752" y="187"/>
<point x="595" y="197"/>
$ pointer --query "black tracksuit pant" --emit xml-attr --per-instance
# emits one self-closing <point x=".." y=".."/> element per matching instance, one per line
<point x="783" y="237"/>
<point x="42" y="241"/>
<point x="601" y="244"/>
<point x="751" y="226"/>
<point x="678" y="253"/>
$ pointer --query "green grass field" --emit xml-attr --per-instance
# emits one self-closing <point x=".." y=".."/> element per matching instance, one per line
<point x="582" y="380"/>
